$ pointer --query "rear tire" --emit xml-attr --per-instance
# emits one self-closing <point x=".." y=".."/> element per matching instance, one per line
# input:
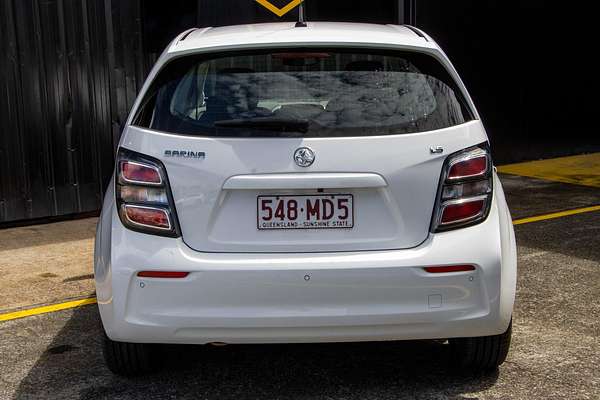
<point x="131" y="359"/>
<point x="483" y="353"/>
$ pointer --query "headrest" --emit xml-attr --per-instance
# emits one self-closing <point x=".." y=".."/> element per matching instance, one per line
<point x="237" y="94"/>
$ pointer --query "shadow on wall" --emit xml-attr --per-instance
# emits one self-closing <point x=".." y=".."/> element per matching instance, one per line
<point x="72" y="367"/>
<point x="530" y="83"/>
<point x="528" y="197"/>
<point x="46" y="235"/>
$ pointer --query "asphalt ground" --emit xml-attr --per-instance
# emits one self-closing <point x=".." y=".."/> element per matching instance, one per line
<point x="51" y="262"/>
<point x="554" y="354"/>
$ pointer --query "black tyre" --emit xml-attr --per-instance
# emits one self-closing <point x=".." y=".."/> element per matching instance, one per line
<point x="483" y="353"/>
<point x="131" y="359"/>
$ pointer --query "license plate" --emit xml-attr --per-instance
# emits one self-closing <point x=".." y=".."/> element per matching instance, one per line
<point x="323" y="211"/>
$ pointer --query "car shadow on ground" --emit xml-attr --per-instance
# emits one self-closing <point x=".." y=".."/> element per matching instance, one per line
<point x="528" y="197"/>
<point x="72" y="367"/>
<point x="577" y="236"/>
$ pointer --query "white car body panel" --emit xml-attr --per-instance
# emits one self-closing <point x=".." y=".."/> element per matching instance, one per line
<point x="265" y="298"/>
<point x="298" y="287"/>
<point x="339" y="180"/>
<point x="224" y="218"/>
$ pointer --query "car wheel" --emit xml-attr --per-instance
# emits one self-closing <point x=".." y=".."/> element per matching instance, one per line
<point x="481" y="353"/>
<point x="130" y="359"/>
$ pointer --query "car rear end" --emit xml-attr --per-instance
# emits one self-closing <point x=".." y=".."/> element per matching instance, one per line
<point x="304" y="193"/>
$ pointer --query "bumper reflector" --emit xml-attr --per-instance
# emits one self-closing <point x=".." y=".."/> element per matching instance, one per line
<point x="449" y="268"/>
<point x="162" y="274"/>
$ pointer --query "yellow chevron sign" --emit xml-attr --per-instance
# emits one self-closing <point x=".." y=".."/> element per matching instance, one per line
<point x="280" y="12"/>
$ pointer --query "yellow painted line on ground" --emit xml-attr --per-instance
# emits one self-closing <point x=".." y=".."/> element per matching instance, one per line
<point x="579" y="170"/>
<point x="559" y="214"/>
<point x="92" y="300"/>
<point x="47" y="309"/>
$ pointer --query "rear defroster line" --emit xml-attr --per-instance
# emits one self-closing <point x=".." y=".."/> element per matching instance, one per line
<point x="91" y="300"/>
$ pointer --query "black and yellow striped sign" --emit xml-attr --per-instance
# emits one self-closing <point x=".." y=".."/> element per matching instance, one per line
<point x="280" y="12"/>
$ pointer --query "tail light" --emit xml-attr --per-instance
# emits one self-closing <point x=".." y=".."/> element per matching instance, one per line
<point x="444" y="269"/>
<point x="143" y="195"/>
<point x="465" y="191"/>
<point x="137" y="173"/>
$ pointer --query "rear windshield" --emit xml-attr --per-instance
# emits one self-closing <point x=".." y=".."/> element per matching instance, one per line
<point x="303" y="93"/>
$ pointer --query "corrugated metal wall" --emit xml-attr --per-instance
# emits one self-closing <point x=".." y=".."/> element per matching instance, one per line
<point x="70" y="71"/>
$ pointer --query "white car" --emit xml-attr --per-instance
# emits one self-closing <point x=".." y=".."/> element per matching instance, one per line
<point x="284" y="184"/>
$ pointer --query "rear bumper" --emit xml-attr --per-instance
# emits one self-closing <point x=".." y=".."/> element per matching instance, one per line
<point x="319" y="297"/>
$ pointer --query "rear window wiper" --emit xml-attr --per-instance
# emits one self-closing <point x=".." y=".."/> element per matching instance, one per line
<point x="266" y="123"/>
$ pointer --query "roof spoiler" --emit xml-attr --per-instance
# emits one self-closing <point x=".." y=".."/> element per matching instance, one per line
<point x="186" y="34"/>
<point x="417" y="31"/>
